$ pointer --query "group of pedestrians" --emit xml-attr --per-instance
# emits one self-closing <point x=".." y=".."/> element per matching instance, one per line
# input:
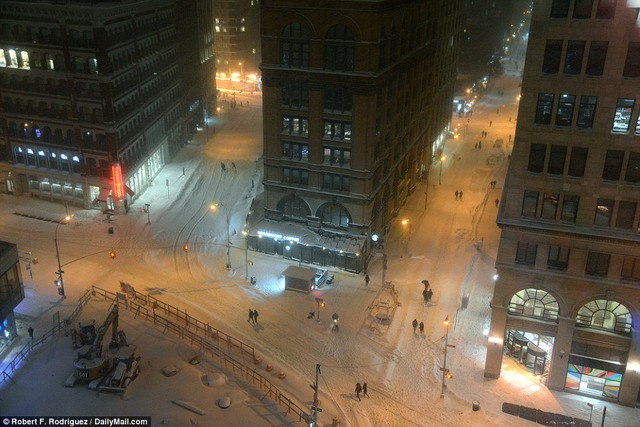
<point x="478" y="145"/>
<point x="361" y="389"/>
<point x="458" y="195"/>
<point x="493" y="183"/>
<point x="483" y="134"/>
<point x="415" y="325"/>
<point x="253" y="316"/>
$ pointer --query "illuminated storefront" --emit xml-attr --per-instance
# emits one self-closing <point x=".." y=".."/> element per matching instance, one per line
<point x="11" y="291"/>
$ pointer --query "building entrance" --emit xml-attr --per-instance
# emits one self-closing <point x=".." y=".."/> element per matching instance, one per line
<point x="595" y="377"/>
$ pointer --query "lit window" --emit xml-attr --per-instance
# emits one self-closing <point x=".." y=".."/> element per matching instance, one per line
<point x="3" y="59"/>
<point x="75" y="158"/>
<point x="41" y="153"/>
<point x="217" y="28"/>
<point x="242" y="29"/>
<point x="63" y="156"/>
<point x="29" y="151"/>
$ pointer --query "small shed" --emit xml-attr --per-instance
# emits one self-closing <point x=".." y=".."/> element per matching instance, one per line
<point x="299" y="279"/>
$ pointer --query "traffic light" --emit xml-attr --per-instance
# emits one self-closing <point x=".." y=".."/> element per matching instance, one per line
<point x="60" y="291"/>
<point x="185" y="247"/>
<point x="449" y="375"/>
<point x="112" y="254"/>
<point x="250" y="262"/>
<point x="57" y="282"/>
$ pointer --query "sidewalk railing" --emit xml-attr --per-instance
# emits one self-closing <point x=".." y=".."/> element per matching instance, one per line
<point x="24" y="352"/>
<point x="198" y="339"/>
<point x="184" y="318"/>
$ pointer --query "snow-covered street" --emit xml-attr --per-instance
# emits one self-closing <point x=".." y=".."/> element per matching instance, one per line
<point x="400" y="366"/>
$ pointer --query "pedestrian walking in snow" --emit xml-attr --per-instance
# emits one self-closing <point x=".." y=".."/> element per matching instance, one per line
<point x="224" y="167"/>
<point x="497" y="202"/>
<point x="250" y="319"/>
<point x="509" y="118"/>
<point x="429" y="294"/>
<point x="255" y="316"/>
<point x="509" y="137"/>
<point x="364" y="390"/>
<point x="366" y="280"/>
<point x="476" y="146"/>
<point x="460" y="195"/>
<point x="421" y="327"/>
<point x="358" y="390"/>
<point x="415" y="325"/>
<point x="30" y="330"/>
<point x="456" y="193"/>
<point x="480" y="145"/>
<point x="490" y="123"/>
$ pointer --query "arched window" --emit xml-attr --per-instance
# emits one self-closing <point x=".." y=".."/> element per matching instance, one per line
<point x="294" y="206"/>
<point x="605" y="314"/>
<point x="339" y="49"/>
<point x="534" y="303"/>
<point x="294" y="46"/>
<point x="334" y="213"/>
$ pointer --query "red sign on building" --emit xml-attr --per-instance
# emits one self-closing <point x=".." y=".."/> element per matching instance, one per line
<point x="117" y="189"/>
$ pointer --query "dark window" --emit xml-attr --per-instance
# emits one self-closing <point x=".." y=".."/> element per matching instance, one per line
<point x="549" y="206"/>
<point x="633" y="168"/>
<point x="613" y="165"/>
<point x="632" y="64"/>
<point x="604" y="210"/>
<point x="295" y="151"/>
<point x="543" y="110"/>
<point x="586" y="111"/>
<point x="606" y="9"/>
<point x="335" y="214"/>
<point x="573" y="58"/>
<point x="597" y="56"/>
<point x="570" y="208"/>
<point x="295" y="176"/>
<point x="530" y="203"/>
<point x="338" y="99"/>
<point x="295" y="94"/>
<point x="597" y="264"/>
<point x="630" y="269"/>
<point x="526" y="253"/>
<point x="622" y="118"/>
<point x="558" y="258"/>
<point x="577" y="161"/>
<point x="294" y="46"/>
<point x="560" y="9"/>
<point x="294" y="206"/>
<point x="552" y="55"/>
<point x="537" y="155"/>
<point x="336" y="182"/>
<point x="626" y="215"/>
<point x="339" y="49"/>
<point x="556" y="159"/>
<point x="564" y="116"/>
<point x="582" y="9"/>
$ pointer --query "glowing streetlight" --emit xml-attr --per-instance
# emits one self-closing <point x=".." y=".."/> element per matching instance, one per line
<point x="214" y="207"/>
<point x="445" y="372"/>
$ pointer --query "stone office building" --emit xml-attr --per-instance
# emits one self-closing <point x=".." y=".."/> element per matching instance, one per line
<point x="97" y="95"/>
<point x="567" y="297"/>
<point x="357" y="101"/>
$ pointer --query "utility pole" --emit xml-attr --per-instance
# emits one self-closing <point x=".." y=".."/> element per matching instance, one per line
<point x="315" y="408"/>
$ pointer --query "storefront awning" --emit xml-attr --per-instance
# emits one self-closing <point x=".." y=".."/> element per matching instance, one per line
<point x="104" y="194"/>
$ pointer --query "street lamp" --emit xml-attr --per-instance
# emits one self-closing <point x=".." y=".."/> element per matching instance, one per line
<point x="445" y="372"/>
<point x="407" y="230"/>
<point x="321" y="303"/>
<point x="246" y="254"/>
<point x="60" y="280"/>
<point x="442" y="159"/>
<point x="214" y="207"/>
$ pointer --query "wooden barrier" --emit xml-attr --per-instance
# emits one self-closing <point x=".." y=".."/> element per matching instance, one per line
<point x="198" y="339"/>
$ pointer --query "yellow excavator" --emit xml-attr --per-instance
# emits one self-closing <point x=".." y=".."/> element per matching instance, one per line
<point x="104" y="369"/>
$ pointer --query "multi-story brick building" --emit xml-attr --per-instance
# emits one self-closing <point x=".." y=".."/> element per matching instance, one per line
<point x="357" y="100"/>
<point x="97" y="96"/>
<point x="567" y="297"/>
<point x="11" y="290"/>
